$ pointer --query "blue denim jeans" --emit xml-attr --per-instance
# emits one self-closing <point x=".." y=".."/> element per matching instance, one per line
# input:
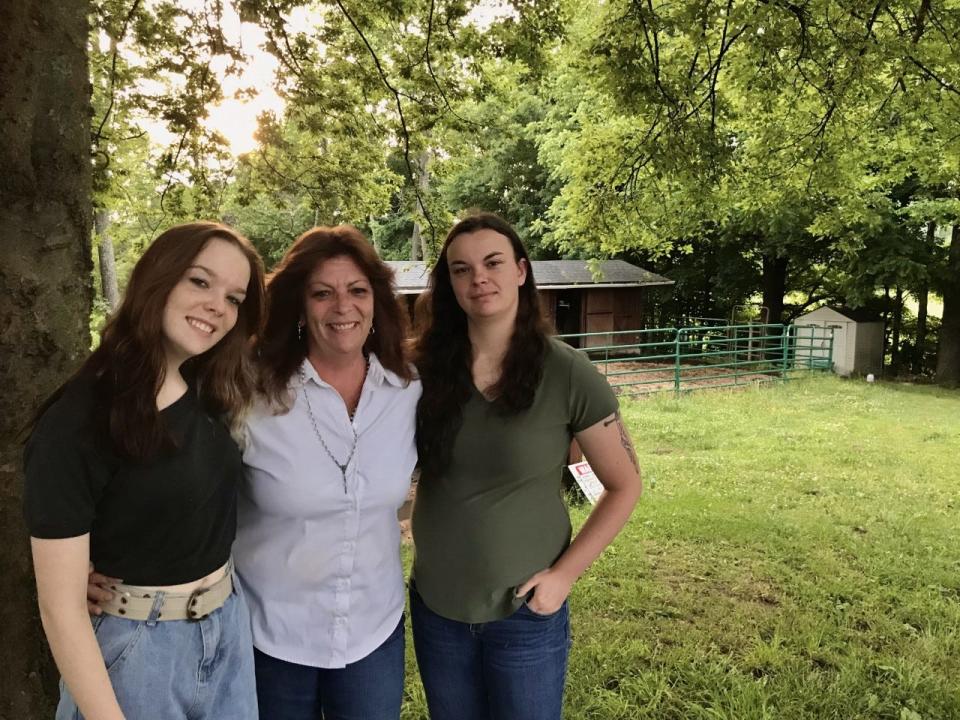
<point x="369" y="689"/>
<point x="510" y="669"/>
<point x="178" y="669"/>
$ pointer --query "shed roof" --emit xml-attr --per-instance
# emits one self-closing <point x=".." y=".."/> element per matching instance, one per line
<point x="861" y="315"/>
<point x="857" y="315"/>
<point x="412" y="276"/>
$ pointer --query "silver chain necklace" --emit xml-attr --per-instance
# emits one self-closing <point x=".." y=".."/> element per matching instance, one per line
<point x="316" y="429"/>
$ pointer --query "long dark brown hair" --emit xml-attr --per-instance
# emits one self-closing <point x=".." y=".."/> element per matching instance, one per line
<point x="129" y="365"/>
<point x="443" y="354"/>
<point x="280" y="352"/>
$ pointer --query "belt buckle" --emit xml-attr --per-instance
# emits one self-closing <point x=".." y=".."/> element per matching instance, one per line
<point x="192" y="614"/>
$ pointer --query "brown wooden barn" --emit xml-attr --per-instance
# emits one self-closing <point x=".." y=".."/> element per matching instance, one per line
<point x="574" y="299"/>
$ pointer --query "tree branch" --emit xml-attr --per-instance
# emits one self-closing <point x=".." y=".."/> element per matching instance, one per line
<point x="115" y="43"/>
<point x="433" y="75"/>
<point x="405" y="132"/>
<point x="933" y="76"/>
<point x="281" y="28"/>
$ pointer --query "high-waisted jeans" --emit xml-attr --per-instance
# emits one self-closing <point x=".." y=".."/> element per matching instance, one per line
<point x="178" y="669"/>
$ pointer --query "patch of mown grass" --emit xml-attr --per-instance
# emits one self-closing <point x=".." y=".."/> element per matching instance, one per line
<point x="795" y="555"/>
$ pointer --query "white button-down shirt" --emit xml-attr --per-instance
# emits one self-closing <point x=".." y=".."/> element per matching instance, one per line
<point x="320" y="565"/>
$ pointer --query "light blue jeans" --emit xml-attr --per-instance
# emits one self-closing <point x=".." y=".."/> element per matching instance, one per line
<point x="179" y="669"/>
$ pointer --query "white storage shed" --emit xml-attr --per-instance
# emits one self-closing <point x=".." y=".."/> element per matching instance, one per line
<point x="857" y="338"/>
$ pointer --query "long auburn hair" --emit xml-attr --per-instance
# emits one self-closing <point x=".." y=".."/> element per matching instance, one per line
<point x="129" y="366"/>
<point x="443" y="354"/>
<point x="278" y="349"/>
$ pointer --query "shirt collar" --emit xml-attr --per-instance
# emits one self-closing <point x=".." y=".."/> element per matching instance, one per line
<point x="309" y="372"/>
<point x="376" y="373"/>
<point x="379" y="374"/>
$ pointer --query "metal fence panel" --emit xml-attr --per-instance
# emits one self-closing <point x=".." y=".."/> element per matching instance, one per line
<point x="638" y="362"/>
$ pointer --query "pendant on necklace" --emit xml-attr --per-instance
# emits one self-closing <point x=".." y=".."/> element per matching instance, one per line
<point x="316" y="429"/>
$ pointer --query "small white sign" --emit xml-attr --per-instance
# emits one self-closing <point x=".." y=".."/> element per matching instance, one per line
<point x="587" y="480"/>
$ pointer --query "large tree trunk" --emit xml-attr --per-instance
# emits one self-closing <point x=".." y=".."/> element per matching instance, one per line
<point x="418" y="243"/>
<point x="895" y="333"/>
<point x="108" y="264"/>
<point x="415" y="242"/>
<point x="45" y="289"/>
<point x="774" y="286"/>
<point x="373" y="235"/>
<point x="886" y="327"/>
<point x="774" y="282"/>
<point x="923" y="296"/>
<point x="948" y="352"/>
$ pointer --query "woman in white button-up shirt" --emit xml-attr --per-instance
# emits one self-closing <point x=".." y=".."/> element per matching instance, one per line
<point x="329" y="454"/>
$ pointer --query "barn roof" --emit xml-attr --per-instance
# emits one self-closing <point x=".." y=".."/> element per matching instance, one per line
<point x="412" y="276"/>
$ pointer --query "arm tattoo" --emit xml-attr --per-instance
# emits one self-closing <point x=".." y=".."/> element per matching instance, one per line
<point x="624" y="439"/>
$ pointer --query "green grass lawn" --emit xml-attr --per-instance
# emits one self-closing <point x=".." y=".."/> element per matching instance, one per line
<point x="795" y="555"/>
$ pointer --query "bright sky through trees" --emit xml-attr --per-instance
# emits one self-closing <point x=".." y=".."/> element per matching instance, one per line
<point x="252" y="92"/>
<point x="236" y="117"/>
<point x="246" y="95"/>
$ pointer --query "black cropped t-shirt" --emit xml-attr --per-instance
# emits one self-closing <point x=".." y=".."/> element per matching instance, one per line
<point x="166" y="521"/>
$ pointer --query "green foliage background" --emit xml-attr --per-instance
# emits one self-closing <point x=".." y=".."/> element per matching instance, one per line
<point x="780" y="153"/>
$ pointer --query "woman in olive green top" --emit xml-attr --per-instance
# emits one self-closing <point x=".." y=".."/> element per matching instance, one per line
<point x="494" y="558"/>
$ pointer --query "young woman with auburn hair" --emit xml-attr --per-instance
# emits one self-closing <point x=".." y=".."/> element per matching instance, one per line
<point x="131" y="465"/>
<point x="494" y="558"/>
<point x="328" y="459"/>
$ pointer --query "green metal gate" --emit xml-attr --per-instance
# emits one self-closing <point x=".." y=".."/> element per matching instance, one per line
<point x="705" y="356"/>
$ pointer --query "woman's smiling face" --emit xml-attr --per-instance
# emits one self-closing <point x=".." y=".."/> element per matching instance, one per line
<point x="338" y="309"/>
<point x="203" y="306"/>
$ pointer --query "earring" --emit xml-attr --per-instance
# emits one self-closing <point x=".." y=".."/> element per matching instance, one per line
<point x="299" y="331"/>
<point x="372" y="330"/>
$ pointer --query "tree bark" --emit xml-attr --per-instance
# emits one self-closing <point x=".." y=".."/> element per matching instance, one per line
<point x="948" y="352"/>
<point x="774" y="286"/>
<point x="45" y="289"/>
<point x="895" y="332"/>
<point x="373" y="234"/>
<point x="418" y="242"/>
<point x="108" y="265"/>
<point x="886" y="327"/>
<point x="415" y="241"/>
<point x="923" y="296"/>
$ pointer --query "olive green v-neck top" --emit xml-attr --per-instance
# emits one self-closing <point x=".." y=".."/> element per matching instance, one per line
<point x="497" y="516"/>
